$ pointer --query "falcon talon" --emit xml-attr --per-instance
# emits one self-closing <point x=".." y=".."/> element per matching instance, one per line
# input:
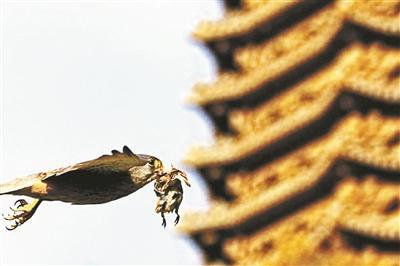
<point x="9" y="217"/>
<point x="5" y="217"/>
<point x="16" y="210"/>
<point x="169" y="192"/>
<point x="22" y="213"/>
<point x="21" y="202"/>
<point x="12" y="227"/>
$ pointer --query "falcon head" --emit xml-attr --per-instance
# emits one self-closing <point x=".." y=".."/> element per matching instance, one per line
<point x="155" y="165"/>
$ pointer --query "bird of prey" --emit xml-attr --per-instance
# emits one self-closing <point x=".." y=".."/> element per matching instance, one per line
<point x="169" y="191"/>
<point x="101" y="180"/>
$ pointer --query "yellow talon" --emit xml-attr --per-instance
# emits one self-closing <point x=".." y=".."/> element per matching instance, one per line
<point x="22" y="213"/>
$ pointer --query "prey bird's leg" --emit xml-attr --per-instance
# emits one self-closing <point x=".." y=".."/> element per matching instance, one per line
<point x="22" y="213"/>
<point x="177" y="216"/>
<point x="164" y="222"/>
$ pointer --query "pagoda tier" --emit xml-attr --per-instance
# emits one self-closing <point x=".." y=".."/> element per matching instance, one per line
<point x="326" y="230"/>
<point x="256" y="15"/>
<point x="265" y="68"/>
<point x="305" y="165"/>
<point x="370" y="142"/>
<point x="261" y="21"/>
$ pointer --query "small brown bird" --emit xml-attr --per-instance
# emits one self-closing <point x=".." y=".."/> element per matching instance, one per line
<point x="101" y="180"/>
<point x="169" y="191"/>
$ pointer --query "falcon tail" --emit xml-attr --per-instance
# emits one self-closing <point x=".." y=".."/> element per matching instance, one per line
<point x="17" y="185"/>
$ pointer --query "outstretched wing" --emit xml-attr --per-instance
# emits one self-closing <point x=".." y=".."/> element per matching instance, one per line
<point x="99" y="171"/>
<point x="17" y="184"/>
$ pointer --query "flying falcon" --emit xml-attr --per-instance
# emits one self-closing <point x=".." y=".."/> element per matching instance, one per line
<point x="101" y="180"/>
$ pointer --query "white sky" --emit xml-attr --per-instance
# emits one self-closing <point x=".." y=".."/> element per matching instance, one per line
<point x="80" y="78"/>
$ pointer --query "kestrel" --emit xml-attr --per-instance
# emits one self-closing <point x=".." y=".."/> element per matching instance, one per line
<point x="101" y="180"/>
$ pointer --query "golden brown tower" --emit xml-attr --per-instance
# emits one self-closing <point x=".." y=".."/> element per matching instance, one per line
<point x="305" y="165"/>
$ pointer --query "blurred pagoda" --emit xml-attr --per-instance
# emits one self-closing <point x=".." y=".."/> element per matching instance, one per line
<point x="305" y="168"/>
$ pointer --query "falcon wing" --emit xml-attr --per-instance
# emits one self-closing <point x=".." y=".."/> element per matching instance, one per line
<point x="99" y="171"/>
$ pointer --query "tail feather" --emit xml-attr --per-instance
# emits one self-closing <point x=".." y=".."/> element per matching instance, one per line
<point x="15" y="185"/>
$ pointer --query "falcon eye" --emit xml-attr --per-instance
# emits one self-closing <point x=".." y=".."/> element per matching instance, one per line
<point x="156" y="163"/>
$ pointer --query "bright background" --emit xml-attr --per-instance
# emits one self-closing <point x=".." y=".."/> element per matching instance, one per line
<point x="80" y="78"/>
